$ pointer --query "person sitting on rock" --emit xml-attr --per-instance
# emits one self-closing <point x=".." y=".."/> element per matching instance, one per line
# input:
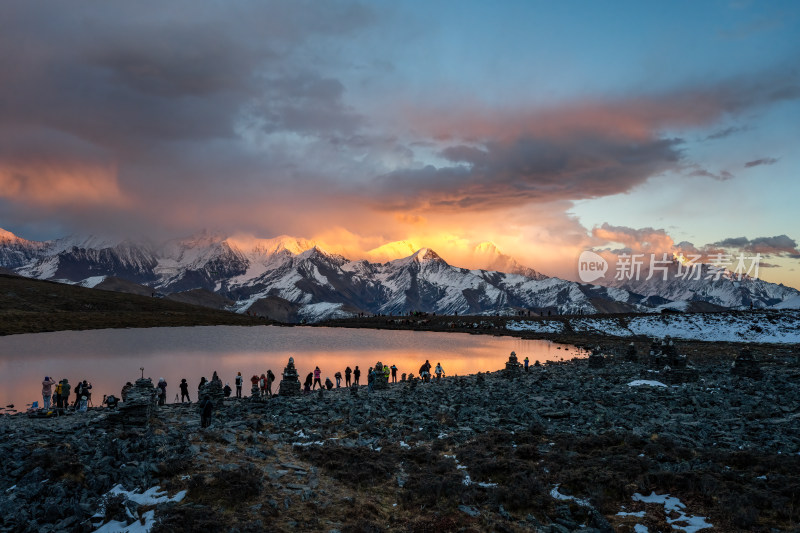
<point x="227" y="390"/>
<point x="328" y="383"/>
<point x="206" y="408"/>
<point x="110" y="401"/>
<point x="424" y="375"/>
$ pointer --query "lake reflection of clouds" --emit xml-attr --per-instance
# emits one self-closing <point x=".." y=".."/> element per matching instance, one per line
<point x="109" y="358"/>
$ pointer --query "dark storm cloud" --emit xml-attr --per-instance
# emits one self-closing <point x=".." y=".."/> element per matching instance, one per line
<point x="759" y="162"/>
<point x="305" y="104"/>
<point x="777" y="245"/>
<point x="174" y="95"/>
<point x="132" y="73"/>
<point x="577" y="151"/>
<point x="231" y="112"/>
<point x="532" y="169"/>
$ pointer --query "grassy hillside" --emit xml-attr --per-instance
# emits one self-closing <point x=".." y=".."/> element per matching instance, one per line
<point x="31" y="306"/>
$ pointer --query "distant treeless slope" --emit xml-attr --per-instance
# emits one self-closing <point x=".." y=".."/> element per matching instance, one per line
<point x="116" y="284"/>
<point x="32" y="306"/>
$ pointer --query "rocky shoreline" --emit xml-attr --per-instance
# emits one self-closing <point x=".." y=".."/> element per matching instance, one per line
<point x="569" y="446"/>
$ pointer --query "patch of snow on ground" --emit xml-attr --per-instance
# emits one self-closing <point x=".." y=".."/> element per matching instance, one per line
<point x="770" y="326"/>
<point x="789" y="303"/>
<point x="467" y="481"/>
<point x="539" y="326"/>
<point x="558" y="496"/>
<point x="92" y="282"/>
<point x="639" y="382"/>
<point x="680" y="305"/>
<point x="322" y="311"/>
<point x="638" y="514"/>
<point x="606" y="326"/>
<point x="151" y="496"/>
<point x="722" y="327"/>
<point x="684" y="522"/>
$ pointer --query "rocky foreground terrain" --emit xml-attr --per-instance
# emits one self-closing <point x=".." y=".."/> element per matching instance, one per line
<point x="620" y="445"/>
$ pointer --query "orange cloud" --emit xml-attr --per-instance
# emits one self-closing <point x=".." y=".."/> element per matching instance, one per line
<point x="54" y="184"/>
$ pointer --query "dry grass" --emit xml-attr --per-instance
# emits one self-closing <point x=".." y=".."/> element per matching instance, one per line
<point x="33" y="306"/>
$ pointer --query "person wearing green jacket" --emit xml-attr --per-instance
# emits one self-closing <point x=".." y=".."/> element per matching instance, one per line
<point x="65" y="390"/>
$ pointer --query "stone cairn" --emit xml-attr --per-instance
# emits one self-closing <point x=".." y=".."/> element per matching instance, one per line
<point x="512" y="365"/>
<point x="596" y="359"/>
<point x="140" y="404"/>
<point x="630" y="354"/>
<point x="290" y="384"/>
<point x="381" y="381"/>
<point x="212" y="389"/>
<point x="676" y="367"/>
<point x="746" y="366"/>
<point x="255" y="392"/>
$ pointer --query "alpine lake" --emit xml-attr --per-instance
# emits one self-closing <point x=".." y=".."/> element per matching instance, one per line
<point x="109" y="358"/>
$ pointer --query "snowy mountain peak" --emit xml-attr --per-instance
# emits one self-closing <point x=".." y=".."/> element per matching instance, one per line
<point x="426" y="254"/>
<point x="270" y="247"/>
<point x="202" y="239"/>
<point x="92" y="242"/>
<point x="8" y="237"/>
<point x="488" y="256"/>
<point x="391" y="251"/>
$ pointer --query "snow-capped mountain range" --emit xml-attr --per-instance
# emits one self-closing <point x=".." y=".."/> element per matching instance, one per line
<point x="306" y="282"/>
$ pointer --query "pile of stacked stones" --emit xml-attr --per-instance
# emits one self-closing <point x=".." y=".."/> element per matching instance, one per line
<point x="676" y="367"/>
<point x="630" y="354"/>
<point x="745" y="365"/>
<point x="512" y="365"/>
<point x="139" y="405"/>
<point x="290" y="384"/>
<point x="596" y="359"/>
<point x="381" y="381"/>
<point x="213" y="389"/>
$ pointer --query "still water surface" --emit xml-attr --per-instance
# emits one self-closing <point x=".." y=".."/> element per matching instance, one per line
<point x="110" y="357"/>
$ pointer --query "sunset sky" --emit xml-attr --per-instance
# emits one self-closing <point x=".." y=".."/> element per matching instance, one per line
<point x="547" y="128"/>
